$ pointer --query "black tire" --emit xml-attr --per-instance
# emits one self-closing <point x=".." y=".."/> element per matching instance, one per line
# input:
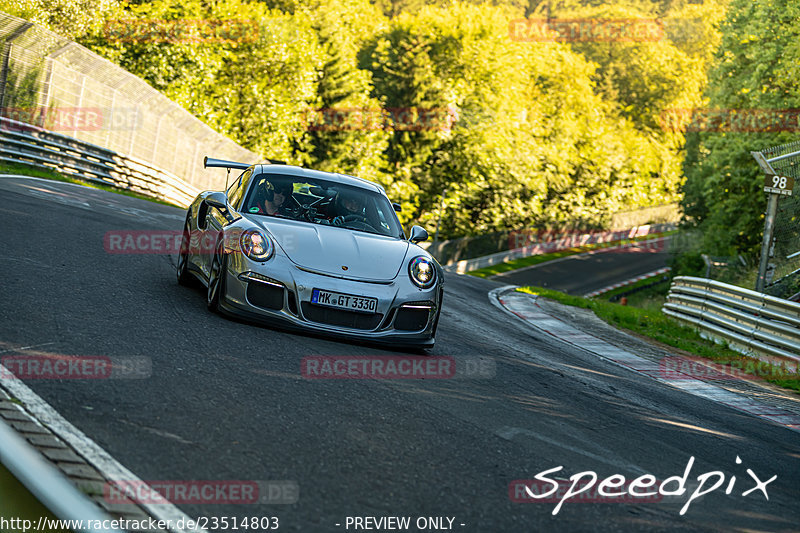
<point x="216" y="279"/>
<point x="185" y="277"/>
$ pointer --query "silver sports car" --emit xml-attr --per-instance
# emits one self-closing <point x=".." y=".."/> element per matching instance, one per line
<point x="312" y="250"/>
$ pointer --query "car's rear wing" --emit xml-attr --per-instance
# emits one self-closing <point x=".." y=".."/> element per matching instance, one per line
<point x="221" y="163"/>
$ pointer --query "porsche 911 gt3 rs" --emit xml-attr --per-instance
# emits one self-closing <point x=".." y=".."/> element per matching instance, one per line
<point x="312" y="250"/>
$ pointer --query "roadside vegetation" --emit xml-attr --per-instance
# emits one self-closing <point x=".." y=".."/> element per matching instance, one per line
<point x="39" y="172"/>
<point x="649" y="322"/>
<point x="520" y="132"/>
<point x="756" y="70"/>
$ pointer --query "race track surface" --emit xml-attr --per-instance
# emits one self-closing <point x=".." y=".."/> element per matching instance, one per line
<point x="226" y="400"/>
<point x="584" y="273"/>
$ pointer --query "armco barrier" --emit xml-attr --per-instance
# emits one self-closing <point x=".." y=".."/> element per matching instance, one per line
<point x="60" y="85"/>
<point x="25" y="143"/>
<point x="48" y="485"/>
<point x="747" y="319"/>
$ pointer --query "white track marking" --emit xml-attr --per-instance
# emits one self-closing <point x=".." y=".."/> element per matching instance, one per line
<point x="524" y="307"/>
<point x="111" y="469"/>
<point x="28" y="347"/>
<point x="627" y="281"/>
<point x="509" y="432"/>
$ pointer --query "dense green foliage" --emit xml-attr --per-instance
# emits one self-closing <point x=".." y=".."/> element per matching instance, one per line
<point x="519" y="133"/>
<point x="757" y="68"/>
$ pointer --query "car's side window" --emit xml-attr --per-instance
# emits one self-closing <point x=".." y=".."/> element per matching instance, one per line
<point x="237" y="189"/>
<point x="235" y="185"/>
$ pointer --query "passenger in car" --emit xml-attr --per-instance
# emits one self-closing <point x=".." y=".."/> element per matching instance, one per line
<point x="350" y="206"/>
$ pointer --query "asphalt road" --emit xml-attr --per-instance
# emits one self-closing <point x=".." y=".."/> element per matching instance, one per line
<point x="584" y="273"/>
<point x="226" y="400"/>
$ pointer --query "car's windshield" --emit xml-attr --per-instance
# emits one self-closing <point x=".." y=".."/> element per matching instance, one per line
<point x="319" y="201"/>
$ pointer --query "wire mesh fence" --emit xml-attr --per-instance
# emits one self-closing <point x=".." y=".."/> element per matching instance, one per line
<point x="52" y="82"/>
<point x="785" y="260"/>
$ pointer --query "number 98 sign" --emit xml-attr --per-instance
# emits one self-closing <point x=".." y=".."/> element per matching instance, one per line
<point x="778" y="184"/>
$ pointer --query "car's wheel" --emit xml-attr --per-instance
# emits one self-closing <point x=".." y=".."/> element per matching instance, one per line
<point x="185" y="278"/>
<point x="216" y="279"/>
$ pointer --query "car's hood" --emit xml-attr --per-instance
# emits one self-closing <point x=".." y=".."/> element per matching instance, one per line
<point x="329" y="249"/>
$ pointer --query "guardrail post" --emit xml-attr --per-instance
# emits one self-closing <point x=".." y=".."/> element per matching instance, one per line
<point x="777" y="183"/>
<point x="766" y="243"/>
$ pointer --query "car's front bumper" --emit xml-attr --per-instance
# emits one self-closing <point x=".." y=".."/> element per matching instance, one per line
<point x="279" y="291"/>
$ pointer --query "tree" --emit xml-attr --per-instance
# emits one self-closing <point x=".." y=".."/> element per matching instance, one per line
<point x="757" y="69"/>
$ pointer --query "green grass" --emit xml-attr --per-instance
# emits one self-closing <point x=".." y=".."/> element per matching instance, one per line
<point x="653" y="324"/>
<point x="17" y="502"/>
<point x="635" y="285"/>
<point x="541" y="258"/>
<point x="650" y="298"/>
<point x="38" y="172"/>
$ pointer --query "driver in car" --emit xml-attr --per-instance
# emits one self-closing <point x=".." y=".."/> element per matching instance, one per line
<point x="274" y="198"/>
<point x="351" y="207"/>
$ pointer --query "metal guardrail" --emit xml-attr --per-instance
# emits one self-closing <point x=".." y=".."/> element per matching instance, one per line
<point x="49" y="486"/>
<point x="32" y="145"/>
<point x="49" y="78"/>
<point x="757" y="322"/>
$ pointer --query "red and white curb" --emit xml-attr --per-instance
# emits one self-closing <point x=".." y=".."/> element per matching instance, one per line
<point x="525" y="307"/>
<point x="627" y="282"/>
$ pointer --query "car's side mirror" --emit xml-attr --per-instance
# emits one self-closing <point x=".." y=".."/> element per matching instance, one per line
<point x="418" y="234"/>
<point x="397" y="207"/>
<point x="220" y="201"/>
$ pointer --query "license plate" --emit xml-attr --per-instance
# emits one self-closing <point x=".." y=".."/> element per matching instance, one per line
<point x="344" y="301"/>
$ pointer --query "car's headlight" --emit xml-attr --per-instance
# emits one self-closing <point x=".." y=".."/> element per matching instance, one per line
<point x="422" y="272"/>
<point x="256" y="245"/>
